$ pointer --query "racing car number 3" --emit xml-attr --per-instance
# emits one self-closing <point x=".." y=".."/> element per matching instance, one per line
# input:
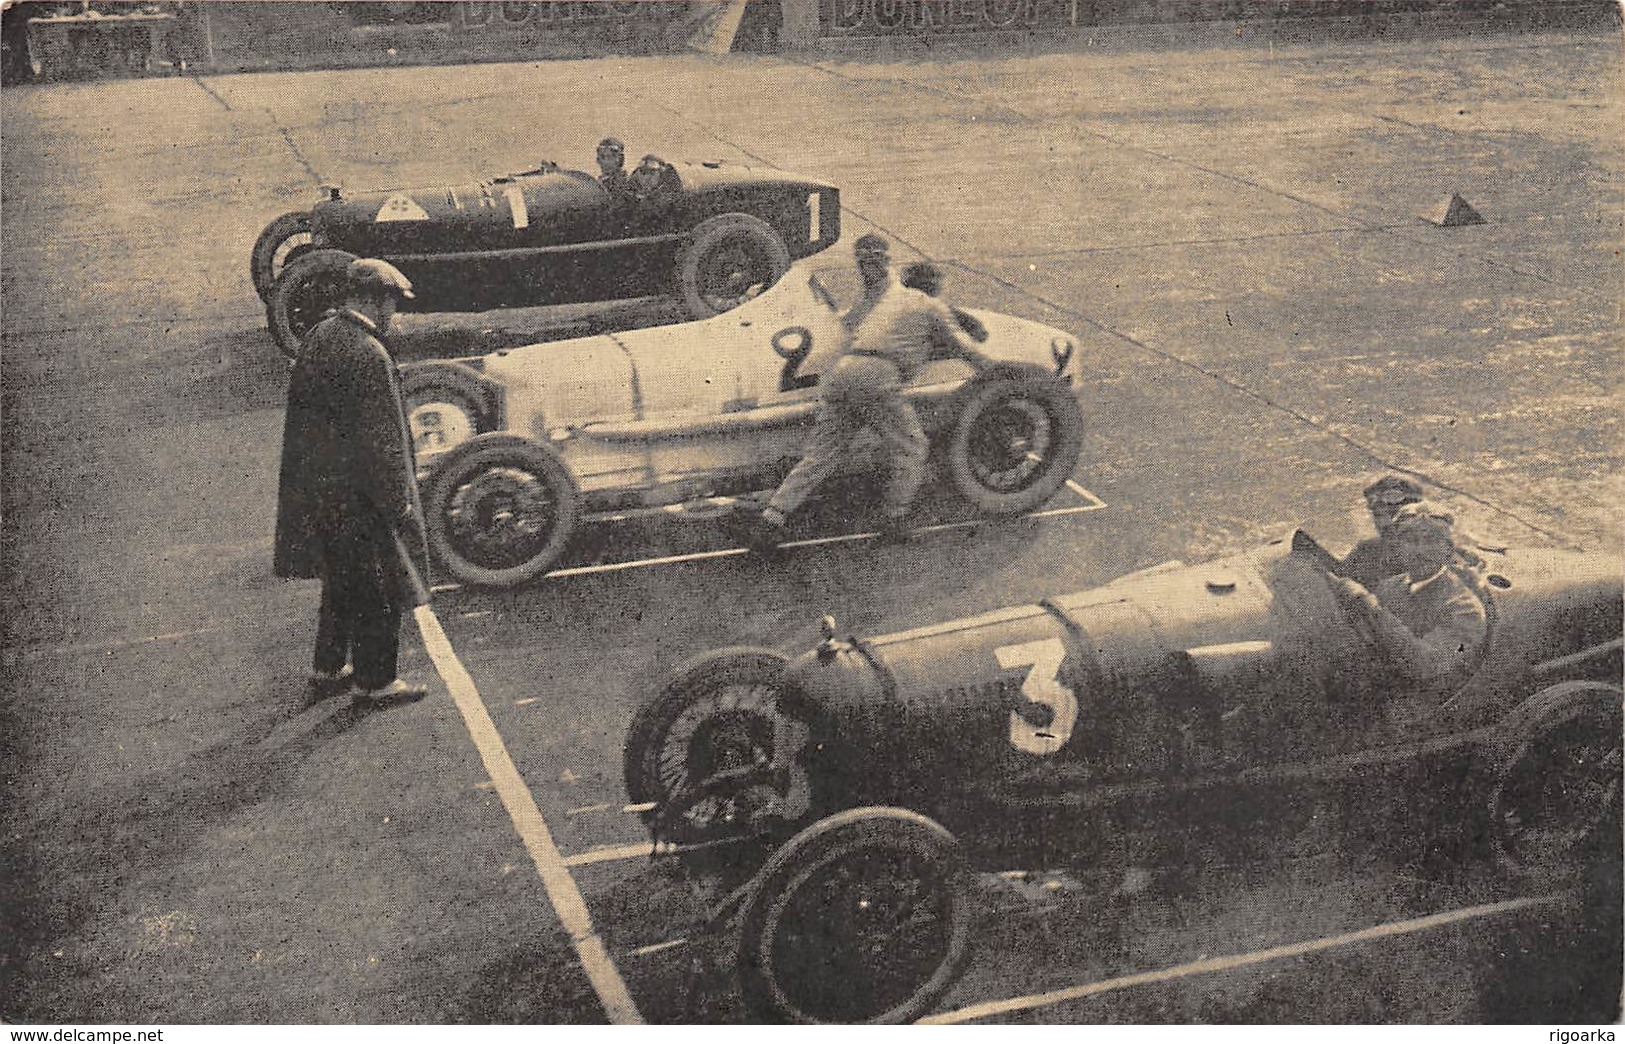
<point x="1042" y="685"/>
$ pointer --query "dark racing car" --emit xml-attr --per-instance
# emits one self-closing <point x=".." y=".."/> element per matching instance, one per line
<point x="711" y="234"/>
<point x="836" y="801"/>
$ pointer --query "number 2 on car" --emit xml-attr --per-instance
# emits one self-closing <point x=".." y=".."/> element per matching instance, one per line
<point x="1042" y="685"/>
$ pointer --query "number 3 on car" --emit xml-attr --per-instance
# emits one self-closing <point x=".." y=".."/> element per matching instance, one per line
<point x="1043" y="660"/>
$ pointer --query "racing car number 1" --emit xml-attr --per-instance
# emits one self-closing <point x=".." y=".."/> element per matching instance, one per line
<point x="1042" y="686"/>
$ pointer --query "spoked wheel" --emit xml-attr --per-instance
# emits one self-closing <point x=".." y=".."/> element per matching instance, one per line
<point x="1017" y="439"/>
<point x="711" y="750"/>
<point x="446" y="405"/>
<point x="282" y="243"/>
<point x="1555" y="802"/>
<point x="863" y="917"/>
<point x="499" y="510"/>
<point x="306" y="289"/>
<point x="731" y="259"/>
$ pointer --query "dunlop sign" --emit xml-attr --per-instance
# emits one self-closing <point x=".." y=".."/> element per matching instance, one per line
<point x="495" y="15"/>
<point x="925" y="17"/>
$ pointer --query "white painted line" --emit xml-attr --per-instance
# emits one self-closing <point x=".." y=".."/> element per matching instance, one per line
<point x="527" y="820"/>
<point x="39" y="652"/>
<point x="1241" y="960"/>
<point x="527" y="701"/>
<point x="639" y="809"/>
<point x="1073" y="485"/>
<point x="585" y="809"/>
<point x="611" y="854"/>
<point x="1094" y="504"/>
<point x="644" y="951"/>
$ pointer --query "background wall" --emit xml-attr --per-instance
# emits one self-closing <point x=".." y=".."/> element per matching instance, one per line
<point x="65" y="40"/>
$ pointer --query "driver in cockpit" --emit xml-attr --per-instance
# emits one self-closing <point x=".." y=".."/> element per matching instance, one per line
<point x="1425" y="621"/>
<point x="612" y="165"/>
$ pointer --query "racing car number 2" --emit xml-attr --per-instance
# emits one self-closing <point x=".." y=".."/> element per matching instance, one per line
<point x="1042" y="685"/>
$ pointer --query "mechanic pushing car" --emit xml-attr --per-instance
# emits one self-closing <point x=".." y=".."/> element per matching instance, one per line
<point x="1423" y="621"/>
<point x="347" y="502"/>
<point x="895" y="331"/>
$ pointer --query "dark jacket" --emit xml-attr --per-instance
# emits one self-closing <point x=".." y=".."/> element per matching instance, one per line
<point x="348" y="490"/>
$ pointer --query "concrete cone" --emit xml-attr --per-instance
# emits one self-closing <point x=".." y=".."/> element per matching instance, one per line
<point x="1453" y="212"/>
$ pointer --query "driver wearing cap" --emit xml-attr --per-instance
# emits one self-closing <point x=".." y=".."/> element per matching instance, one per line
<point x="1424" y="621"/>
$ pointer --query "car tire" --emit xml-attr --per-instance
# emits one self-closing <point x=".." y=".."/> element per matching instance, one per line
<point x="863" y="917"/>
<point x="729" y="259"/>
<point x="499" y="510"/>
<point x="305" y="289"/>
<point x="267" y="260"/>
<point x="446" y="404"/>
<point x="718" y="713"/>
<point x="1555" y="778"/>
<point x="1016" y="439"/>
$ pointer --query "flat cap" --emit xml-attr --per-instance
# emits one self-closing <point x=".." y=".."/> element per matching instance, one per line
<point x="1423" y="515"/>
<point x="612" y="143"/>
<point x="370" y="275"/>
<point x="1395" y="489"/>
<point x="871" y="245"/>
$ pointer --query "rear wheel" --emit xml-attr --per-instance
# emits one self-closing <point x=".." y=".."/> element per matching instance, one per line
<point x="863" y="917"/>
<point x="499" y="510"/>
<point x="1017" y="439"/>
<point x="280" y="245"/>
<point x="729" y="260"/>
<point x="1554" y="803"/>
<point x="446" y="405"/>
<point x="302" y="294"/>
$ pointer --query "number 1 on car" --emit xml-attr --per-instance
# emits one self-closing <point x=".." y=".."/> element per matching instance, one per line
<point x="1042" y="686"/>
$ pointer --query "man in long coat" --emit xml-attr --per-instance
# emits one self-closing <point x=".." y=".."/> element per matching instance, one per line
<point x="347" y="506"/>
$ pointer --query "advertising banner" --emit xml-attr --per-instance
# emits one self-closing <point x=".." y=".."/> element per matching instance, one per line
<point x="859" y="18"/>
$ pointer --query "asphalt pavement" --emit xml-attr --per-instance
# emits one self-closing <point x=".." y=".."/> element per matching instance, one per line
<point x="1265" y="319"/>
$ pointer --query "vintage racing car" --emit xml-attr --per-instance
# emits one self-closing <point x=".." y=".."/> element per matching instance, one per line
<point x="520" y="446"/>
<point x="837" y="799"/>
<point x="712" y="233"/>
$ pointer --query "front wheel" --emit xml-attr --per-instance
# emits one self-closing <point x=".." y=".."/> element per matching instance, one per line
<point x="863" y="917"/>
<point x="1554" y="801"/>
<point x="499" y="510"/>
<point x="282" y="243"/>
<point x="704" y="751"/>
<point x="306" y="290"/>
<point x="1017" y="438"/>
<point x="729" y="260"/>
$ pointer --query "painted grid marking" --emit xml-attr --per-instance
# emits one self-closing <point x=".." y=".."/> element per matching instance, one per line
<point x="527" y="820"/>
<point x="1091" y="503"/>
<point x="1240" y="960"/>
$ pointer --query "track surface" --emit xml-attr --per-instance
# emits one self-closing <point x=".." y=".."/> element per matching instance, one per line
<point x="1232" y="233"/>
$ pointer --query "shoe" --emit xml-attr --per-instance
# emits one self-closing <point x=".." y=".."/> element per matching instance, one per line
<point x="762" y="535"/>
<point x="331" y="683"/>
<point x="396" y="693"/>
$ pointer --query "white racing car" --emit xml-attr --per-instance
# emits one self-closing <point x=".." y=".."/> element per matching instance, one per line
<point x="519" y="447"/>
